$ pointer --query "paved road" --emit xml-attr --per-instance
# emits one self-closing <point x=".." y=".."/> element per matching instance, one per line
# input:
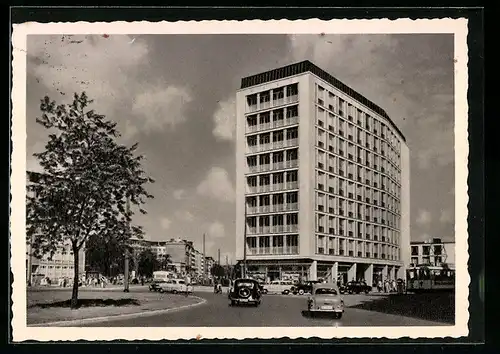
<point x="275" y="311"/>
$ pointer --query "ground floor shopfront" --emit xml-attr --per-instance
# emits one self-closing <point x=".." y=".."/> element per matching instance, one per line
<point x="307" y="269"/>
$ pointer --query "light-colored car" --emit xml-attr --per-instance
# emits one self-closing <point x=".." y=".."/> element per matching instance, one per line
<point x="326" y="298"/>
<point x="279" y="287"/>
<point x="175" y="286"/>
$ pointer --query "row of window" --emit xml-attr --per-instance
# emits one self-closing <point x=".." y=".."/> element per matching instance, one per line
<point x="327" y="162"/>
<point x="385" y="195"/>
<point x="356" y="113"/>
<point x="274" y="97"/>
<point x="330" y="144"/>
<point x="276" y="182"/>
<point x="273" y="245"/>
<point x="331" y="225"/>
<point x="336" y="246"/>
<point x="426" y="250"/>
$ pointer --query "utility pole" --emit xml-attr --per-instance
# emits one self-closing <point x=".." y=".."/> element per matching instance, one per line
<point x="127" y="256"/>
<point x="218" y="256"/>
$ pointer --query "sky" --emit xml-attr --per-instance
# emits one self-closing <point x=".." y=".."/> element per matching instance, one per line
<point x="175" y="96"/>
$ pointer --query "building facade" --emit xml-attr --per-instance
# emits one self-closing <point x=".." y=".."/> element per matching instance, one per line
<point x="209" y="263"/>
<point x="432" y="252"/>
<point x="60" y="265"/>
<point x="181" y="252"/>
<point x="322" y="180"/>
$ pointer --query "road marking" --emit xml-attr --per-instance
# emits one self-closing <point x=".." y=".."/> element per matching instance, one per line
<point x="83" y="321"/>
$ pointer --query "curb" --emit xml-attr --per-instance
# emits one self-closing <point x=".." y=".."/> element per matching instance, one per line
<point x="83" y="321"/>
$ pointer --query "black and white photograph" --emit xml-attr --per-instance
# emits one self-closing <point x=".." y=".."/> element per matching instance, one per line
<point x="257" y="179"/>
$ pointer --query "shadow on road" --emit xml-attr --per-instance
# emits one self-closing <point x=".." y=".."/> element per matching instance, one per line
<point x="89" y="303"/>
<point x="438" y="307"/>
<point x="309" y="314"/>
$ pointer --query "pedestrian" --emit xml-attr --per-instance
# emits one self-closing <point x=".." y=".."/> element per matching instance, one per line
<point x="379" y="286"/>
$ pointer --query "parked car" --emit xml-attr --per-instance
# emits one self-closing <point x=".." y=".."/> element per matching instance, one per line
<point x="175" y="286"/>
<point x="155" y="285"/>
<point x="355" y="287"/>
<point x="244" y="291"/>
<point x="325" y="298"/>
<point x="303" y="288"/>
<point x="279" y="287"/>
<point x="263" y="288"/>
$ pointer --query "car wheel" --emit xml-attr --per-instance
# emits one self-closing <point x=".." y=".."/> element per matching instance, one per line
<point x="366" y="292"/>
<point x="174" y="291"/>
<point x="286" y="292"/>
<point x="264" y="291"/>
<point x="301" y="292"/>
<point x="338" y="315"/>
<point x="233" y="303"/>
<point x="162" y="291"/>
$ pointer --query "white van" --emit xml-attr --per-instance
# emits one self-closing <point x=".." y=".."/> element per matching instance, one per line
<point x="279" y="287"/>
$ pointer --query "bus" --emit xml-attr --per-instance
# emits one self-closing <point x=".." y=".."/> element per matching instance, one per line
<point x="427" y="278"/>
<point x="163" y="275"/>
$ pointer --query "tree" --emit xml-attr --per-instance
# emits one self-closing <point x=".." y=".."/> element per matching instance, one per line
<point x="107" y="255"/>
<point x="148" y="263"/>
<point x="164" y="262"/>
<point x="217" y="271"/>
<point x="88" y="184"/>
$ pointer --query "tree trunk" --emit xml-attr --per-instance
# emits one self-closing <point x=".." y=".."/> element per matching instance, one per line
<point x="76" y="278"/>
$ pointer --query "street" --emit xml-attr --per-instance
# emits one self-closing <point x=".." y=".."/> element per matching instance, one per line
<point x="275" y="311"/>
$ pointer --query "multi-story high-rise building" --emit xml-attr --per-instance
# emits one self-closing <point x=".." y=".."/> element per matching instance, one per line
<point x="433" y="252"/>
<point x="323" y="185"/>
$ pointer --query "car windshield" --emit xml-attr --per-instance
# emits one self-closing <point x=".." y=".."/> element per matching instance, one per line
<point x="247" y="284"/>
<point x="181" y="282"/>
<point x="326" y="291"/>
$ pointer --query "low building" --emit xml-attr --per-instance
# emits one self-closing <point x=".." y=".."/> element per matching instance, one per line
<point x="59" y="266"/>
<point x="432" y="252"/>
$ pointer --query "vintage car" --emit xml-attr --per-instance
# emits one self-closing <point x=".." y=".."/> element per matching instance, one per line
<point x="303" y="288"/>
<point x="279" y="287"/>
<point x="175" y="286"/>
<point x="155" y="285"/>
<point x="245" y="291"/>
<point x="355" y="287"/>
<point x="325" y="298"/>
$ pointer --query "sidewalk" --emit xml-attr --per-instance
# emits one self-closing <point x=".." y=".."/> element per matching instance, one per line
<point x="46" y="306"/>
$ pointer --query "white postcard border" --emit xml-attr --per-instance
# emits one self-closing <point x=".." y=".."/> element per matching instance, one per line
<point x="21" y="332"/>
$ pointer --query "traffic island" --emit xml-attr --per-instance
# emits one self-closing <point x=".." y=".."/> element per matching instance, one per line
<point x="46" y="307"/>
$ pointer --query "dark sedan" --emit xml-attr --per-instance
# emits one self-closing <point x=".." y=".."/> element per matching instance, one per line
<point x="303" y="288"/>
<point x="355" y="287"/>
<point x="245" y="291"/>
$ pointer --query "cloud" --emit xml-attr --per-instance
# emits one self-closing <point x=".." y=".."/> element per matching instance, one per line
<point x="179" y="193"/>
<point x="103" y="67"/>
<point x="446" y="216"/>
<point x="159" y="107"/>
<point x="184" y="216"/>
<point x="165" y="223"/>
<point x="424" y="217"/>
<point x="216" y="230"/>
<point x="217" y="185"/>
<point x="225" y="120"/>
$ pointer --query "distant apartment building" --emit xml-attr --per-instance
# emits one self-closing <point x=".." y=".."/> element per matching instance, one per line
<point x="323" y="183"/>
<point x="199" y="264"/>
<point x="209" y="263"/>
<point x="432" y="252"/>
<point x="182" y="254"/>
